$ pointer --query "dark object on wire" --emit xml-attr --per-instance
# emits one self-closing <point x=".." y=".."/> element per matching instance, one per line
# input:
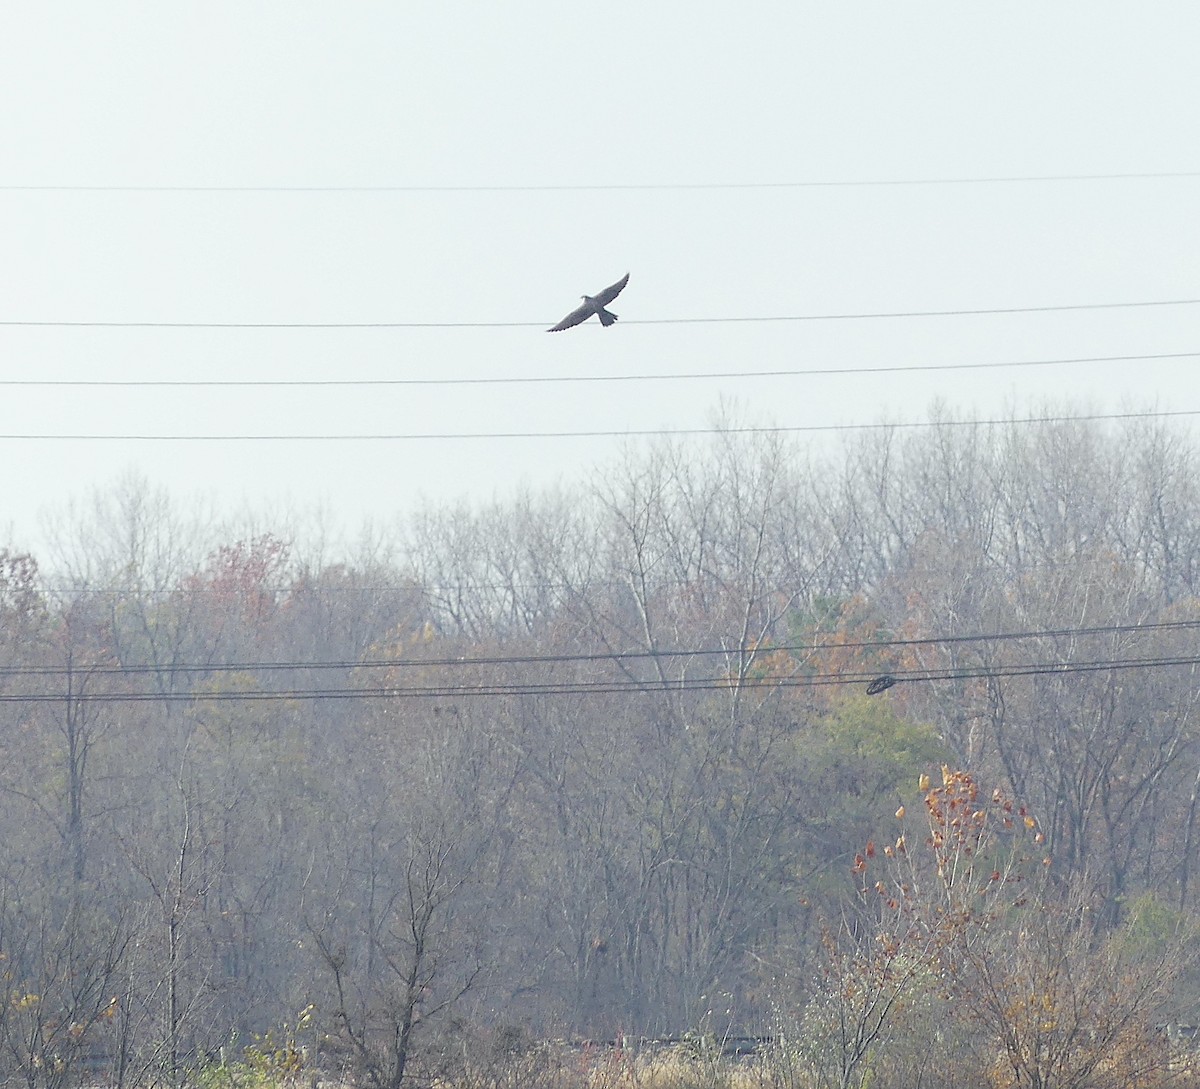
<point x="593" y="304"/>
<point x="880" y="684"/>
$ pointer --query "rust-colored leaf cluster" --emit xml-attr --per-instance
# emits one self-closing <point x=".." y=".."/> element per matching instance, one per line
<point x="974" y="851"/>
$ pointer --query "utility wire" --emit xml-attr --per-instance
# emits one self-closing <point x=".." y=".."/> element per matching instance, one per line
<point x="463" y="662"/>
<point x="91" y="383"/>
<point x="603" y="434"/>
<point x="600" y="188"/>
<point x="625" y="322"/>
<point x="605" y="687"/>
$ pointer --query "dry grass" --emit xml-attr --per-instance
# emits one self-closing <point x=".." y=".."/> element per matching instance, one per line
<point x="546" y="1067"/>
<point x="679" y="1068"/>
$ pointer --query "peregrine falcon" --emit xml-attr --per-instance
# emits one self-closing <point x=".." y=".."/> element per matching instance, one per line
<point x="593" y="304"/>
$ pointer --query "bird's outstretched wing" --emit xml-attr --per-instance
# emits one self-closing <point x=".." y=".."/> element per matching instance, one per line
<point x="609" y="293"/>
<point x="577" y="315"/>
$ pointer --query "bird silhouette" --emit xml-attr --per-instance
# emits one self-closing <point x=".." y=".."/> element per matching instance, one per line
<point x="593" y="304"/>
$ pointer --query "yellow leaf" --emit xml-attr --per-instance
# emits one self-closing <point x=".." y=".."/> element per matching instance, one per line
<point x="923" y="783"/>
<point x="900" y="813"/>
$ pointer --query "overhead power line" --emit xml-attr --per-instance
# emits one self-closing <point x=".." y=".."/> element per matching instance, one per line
<point x="851" y="183"/>
<point x="608" y="686"/>
<point x="661" y="654"/>
<point x="601" y="434"/>
<point x="90" y="383"/>
<point x="860" y="316"/>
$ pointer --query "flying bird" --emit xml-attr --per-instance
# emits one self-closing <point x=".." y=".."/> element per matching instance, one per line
<point x="593" y="304"/>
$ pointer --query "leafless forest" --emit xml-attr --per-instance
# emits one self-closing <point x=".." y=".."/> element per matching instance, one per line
<point x="602" y="763"/>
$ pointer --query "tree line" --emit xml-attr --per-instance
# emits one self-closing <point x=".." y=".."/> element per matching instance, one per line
<point x="600" y="761"/>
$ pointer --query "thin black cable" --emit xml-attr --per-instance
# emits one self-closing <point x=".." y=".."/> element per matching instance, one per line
<point x="601" y="188"/>
<point x="608" y="434"/>
<point x="462" y="661"/>
<point x="90" y="383"/>
<point x="604" y="687"/>
<point x="625" y="322"/>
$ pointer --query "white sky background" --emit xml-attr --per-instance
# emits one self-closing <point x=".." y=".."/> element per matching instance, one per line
<point x="533" y="94"/>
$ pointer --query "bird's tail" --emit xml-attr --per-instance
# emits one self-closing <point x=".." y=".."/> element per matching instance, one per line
<point x="607" y="317"/>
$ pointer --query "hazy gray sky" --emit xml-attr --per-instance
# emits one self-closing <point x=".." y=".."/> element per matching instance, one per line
<point x="674" y="96"/>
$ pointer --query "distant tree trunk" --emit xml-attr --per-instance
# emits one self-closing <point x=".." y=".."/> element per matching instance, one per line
<point x="78" y="745"/>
